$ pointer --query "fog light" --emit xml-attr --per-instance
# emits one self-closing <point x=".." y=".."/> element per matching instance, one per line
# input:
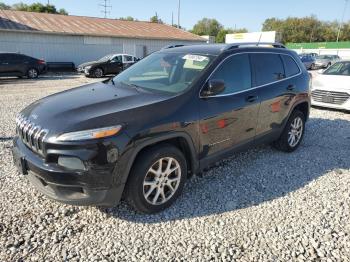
<point x="71" y="163"/>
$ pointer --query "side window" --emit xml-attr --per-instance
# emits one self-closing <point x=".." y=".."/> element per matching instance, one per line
<point x="117" y="59"/>
<point x="236" y="73"/>
<point x="290" y="65"/>
<point x="268" y="68"/>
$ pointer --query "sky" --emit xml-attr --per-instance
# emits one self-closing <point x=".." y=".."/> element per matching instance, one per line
<point x="248" y="13"/>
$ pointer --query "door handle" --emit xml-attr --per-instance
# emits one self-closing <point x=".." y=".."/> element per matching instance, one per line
<point x="251" y="99"/>
<point x="290" y="87"/>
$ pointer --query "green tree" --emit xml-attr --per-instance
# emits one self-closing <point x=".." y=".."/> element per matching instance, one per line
<point x="221" y="36"/>
<point x="39" y="8"/>
<point x="3" y="6"/>
<point x="306" y="29"/>
<point x="156" y="19"/>
<point x="207" y="26"/>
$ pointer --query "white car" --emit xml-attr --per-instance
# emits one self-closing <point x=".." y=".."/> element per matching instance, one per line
<point x="331" y="88"/>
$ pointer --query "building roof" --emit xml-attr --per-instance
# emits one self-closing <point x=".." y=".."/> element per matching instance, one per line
<point x="92" y="26"/>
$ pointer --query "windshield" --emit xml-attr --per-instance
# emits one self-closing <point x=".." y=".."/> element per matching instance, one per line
<point x="105" y="58"/>
<point x="166" y="72"/>
<point x="339" y="69"/>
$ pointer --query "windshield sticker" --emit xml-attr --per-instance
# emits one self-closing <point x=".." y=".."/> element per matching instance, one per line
<point x="197" y="58"/>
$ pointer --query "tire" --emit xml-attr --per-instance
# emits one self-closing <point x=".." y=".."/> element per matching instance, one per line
<point x="32" y="73"/>
<point x="139" y="193"/>
<point x="98" y="73"/>
<point x="286" y="143"/>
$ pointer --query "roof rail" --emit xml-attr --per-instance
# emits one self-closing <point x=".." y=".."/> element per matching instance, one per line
<point x="238" y="45"/>
<point x="173" y="46"/>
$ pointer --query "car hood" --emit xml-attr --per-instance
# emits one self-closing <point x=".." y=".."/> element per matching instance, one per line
<point x="91" y="106"/>
<point x="322" y="60"/>
<point x="332" y="83"/>
<point x="89" y="64"/>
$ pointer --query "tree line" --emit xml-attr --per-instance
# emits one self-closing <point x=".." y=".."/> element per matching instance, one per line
<point x="35" y="7"/>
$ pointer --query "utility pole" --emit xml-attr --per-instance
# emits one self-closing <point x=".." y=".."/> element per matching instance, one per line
<point x="105" y="6"/>
<point x="178" y="14"/>
<point x="172" y="18"/>
<point x="342" y="20"/>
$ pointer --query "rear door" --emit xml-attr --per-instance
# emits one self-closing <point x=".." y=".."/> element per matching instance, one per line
<point x="127" y="61"/>
<point x="277" y="88"/>
<point x="229" y="119"/>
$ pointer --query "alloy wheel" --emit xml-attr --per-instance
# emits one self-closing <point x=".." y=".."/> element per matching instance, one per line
<point x="296" y="131"/>
<point x="162" y="181"/>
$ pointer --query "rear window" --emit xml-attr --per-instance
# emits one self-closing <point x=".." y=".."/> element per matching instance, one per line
<point x="290" y="66"/>
<point x="268" y="68"/>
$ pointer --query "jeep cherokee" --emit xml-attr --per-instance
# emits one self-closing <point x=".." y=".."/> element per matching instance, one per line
<point x="142" y="133"/>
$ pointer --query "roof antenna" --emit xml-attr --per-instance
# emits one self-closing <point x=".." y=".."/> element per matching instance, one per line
<point x="259" y="39"/>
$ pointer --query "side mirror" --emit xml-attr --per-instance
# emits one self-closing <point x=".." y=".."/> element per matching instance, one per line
<point x="213" y="88"/>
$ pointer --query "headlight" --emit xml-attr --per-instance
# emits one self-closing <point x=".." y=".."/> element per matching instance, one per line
<point x="87" y="67"/>
<point x="90" y="134"/>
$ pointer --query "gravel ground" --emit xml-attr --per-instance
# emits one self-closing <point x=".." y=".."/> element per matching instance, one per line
<point x="260" y="205"/>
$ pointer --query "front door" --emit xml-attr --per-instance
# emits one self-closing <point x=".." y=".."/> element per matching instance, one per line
<point x="229" y="120"/>
<point x="115" y="65"/>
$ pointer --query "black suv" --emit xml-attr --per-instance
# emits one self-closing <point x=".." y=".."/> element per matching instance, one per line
<point x="174" y="113"/>
<point x="107" y="65"/>
<point x="14" y="64"/>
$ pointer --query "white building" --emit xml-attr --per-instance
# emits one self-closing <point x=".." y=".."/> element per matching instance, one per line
<point x="61" y="38"/>
<point x="267" y="37"/>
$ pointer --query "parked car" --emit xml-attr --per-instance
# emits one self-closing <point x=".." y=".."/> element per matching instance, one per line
<point x="171" y="115"/>
<point x="15" y="64"/>
<point x="310" y="54"/>
<point x="107" y="65"/>
<point x="308" y="61"/>
<point x="331" y="88"/>
<point x="324" y="61"/>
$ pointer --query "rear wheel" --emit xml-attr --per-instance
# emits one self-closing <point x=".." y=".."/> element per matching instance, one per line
<point x="32" y="73"/>
<point x="98" y="72"/>
<point x="293" y="133"/>
<point x="157" y="179"/>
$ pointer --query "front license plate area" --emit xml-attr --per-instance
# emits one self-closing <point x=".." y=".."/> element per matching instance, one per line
<point x="328" y="99"/>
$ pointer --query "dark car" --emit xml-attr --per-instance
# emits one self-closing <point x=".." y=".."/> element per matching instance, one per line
<point x="107" y="65"/>
<point x="169" y="116"/>
<point x="14" y="64"/>
<point x="308" y="61"/>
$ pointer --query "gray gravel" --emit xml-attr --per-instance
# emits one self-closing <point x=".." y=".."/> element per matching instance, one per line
<point x="260" y="205"/>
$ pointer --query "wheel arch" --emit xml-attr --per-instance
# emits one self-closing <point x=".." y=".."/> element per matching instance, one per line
<point x="180" y="140"/>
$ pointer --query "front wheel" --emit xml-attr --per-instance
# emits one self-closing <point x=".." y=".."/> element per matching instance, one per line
<point x="97" y="73"/>
<point x="157" y="179"/>
<point x="293" y="133"/>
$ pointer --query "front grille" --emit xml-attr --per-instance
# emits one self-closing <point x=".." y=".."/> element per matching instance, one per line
<point x="31" y="134"/>
<point x="330" y="97"/>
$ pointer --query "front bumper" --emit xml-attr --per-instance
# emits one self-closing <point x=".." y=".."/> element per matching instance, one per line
<point x="345" y="106"/>
<point x="71" y="187"/>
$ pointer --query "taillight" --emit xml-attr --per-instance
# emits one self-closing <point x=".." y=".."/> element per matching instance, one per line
<point x="41" y="62"/>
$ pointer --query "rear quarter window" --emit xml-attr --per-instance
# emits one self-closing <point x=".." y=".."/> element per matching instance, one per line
<point x="290" y="66"/>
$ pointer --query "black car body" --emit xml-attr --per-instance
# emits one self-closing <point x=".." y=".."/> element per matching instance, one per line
<point x="230" y="97"/>
<point x="108" y="65"/>
<point x="15" y="64"/>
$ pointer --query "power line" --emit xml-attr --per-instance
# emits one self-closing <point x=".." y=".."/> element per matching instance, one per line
<point x="106" y="8"/>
